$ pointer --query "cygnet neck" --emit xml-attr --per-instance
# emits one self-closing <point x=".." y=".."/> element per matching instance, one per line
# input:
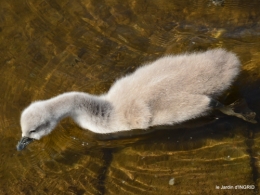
<point x="88" y="111"/>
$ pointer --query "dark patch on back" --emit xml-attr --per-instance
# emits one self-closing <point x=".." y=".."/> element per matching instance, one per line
<point x="100" y="108"/>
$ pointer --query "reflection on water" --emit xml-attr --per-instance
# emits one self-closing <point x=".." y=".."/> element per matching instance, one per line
<point x="53" y="46"/>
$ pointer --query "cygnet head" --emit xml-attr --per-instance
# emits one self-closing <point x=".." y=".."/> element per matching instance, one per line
<point x="36" y="122"/>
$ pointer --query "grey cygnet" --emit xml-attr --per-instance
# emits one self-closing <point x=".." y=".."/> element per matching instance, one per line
<point x="170" y="90"/>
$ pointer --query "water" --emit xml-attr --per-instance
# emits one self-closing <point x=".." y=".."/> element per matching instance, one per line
<point x="50" y="47"/>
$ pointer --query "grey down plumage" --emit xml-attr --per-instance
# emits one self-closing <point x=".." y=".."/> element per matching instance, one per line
<point x="170" y="90"/>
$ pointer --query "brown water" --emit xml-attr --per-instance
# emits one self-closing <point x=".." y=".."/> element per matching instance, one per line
<point x="53" y="46"/>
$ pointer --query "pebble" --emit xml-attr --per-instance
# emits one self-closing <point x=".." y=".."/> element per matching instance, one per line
<point x="171" y="181"/>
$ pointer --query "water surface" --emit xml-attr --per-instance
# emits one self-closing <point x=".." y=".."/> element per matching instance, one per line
<point x="54" y="46"/>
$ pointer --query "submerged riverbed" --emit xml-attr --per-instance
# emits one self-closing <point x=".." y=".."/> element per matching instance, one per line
<point x="55" y="46"/>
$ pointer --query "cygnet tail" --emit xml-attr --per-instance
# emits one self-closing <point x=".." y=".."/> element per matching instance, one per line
<point x="221" y="69"/>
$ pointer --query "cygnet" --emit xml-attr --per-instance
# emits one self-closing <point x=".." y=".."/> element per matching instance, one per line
<point x="170" y="90"/>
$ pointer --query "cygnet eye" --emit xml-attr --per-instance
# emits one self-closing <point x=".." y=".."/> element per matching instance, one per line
<point x="33" y="131"/>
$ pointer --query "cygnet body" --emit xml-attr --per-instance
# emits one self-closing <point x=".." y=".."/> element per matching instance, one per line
<point x="169" y="90"/>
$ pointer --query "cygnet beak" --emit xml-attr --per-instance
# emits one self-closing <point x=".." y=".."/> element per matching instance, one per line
<point x="23" y="143"/>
